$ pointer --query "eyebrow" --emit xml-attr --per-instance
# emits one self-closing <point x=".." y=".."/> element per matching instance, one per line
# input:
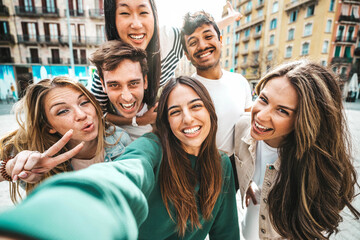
<point x="61" y="103"/>
<point x="125" y="5"/>
<point x="281" y="106"/>
<point x="117" y="81"/>
<point x="175" y="106"/>
<point x="206" y="31"/>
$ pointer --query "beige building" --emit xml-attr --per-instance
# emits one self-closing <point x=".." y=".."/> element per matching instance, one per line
<point x="34" y="34"/>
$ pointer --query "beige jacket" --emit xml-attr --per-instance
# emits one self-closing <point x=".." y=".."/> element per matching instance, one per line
<point x="245" y="156"/>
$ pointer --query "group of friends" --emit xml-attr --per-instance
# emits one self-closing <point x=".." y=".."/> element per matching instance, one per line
<point x="149" y="156"/>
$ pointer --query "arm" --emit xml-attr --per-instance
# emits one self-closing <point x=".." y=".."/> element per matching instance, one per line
<point x="109" y="199"/>
<point x="148" y="118"/>
<point x="230" y="18"/>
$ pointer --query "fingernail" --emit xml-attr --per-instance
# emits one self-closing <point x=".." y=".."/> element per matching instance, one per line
<point x="15" y="178"/>
<point x="23" y="175"/>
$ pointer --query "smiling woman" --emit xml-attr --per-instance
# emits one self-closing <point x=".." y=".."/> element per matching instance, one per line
<point x="61" y="129"/>
<point x="293" y="156"/>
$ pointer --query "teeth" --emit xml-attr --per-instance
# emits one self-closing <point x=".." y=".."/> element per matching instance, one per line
<point x="137" y="37"/>
<point x="127" y="106"/>
<point x="260" y="126"/>
<point x="205" y="54"/>
<point x="191" y="130"/>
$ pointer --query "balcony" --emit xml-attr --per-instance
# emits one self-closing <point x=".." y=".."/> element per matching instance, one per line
<point x="246" y="39"/>
<point x="346" y="41"/>
<point x="83" y="61"/>
<point x="254" y="64"/>
<point x="51" y="39"/>
<point x="247" y="11"/>
<point x="256" y="35"/>
<point x="253" y="22"/>
<point x="96" y="13"/>
<point x="352" y="2"/>
<point x="357" y="51"/>
<point x="6" y="59"/>
<point x="244" y="65"/>
<point x="348" y="19"/>
<point x="55" y="60"/>
<point x="7" y="38"/>
<point x="75" y="13"/>
<point x="255" y="50"/>
<point x="260" y="5"/>
<point x="33" y="60"/>
<point x="4" y="10"/>
<point x="297" y="4"/>
<point x="244" y="52"/>
<point x="29" y="39"/>
<point x="83" y="41"/>
<point x="341" y="60"/>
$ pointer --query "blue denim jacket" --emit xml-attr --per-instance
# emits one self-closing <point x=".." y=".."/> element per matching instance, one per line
<point x="113" y="149"/>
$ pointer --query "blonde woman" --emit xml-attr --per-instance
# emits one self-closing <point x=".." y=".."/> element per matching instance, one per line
<point x="61" y="129"/>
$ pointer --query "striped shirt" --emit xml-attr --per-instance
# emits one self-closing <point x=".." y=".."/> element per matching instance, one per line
<point x="170" y="52"/>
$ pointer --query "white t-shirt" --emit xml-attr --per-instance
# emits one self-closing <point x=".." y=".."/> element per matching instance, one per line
<point x="264" y="155"/>
<point x="231" y="95"/>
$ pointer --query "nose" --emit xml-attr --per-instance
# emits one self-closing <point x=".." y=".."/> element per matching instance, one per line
<point x="201" y="45"/>
<point x="136" y="22"/>
<point x="187" y="117"/>
<point x="264" y="114"/>
<point x="80" y="115"/>
<point x="126" y="95"/>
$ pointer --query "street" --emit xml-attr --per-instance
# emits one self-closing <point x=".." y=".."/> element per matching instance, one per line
<point x="349" y="228"/>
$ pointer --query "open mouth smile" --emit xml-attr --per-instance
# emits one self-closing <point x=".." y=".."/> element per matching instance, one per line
<point x="137" y="36"/>
<point x="205" y="53"/>
<point x="192" y="130"/>
<point x="260" y="128"/>
<point x="127" y="106"/>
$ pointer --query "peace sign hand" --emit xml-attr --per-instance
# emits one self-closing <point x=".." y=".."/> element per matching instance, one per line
<point x="30" y="166"/>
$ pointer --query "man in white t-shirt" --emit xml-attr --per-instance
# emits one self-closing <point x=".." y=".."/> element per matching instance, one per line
<point x="230" y="92"/>
<point x="122" y="70"/>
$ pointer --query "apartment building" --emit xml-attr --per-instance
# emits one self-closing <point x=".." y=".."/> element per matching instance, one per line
<point x="34" y="40"/>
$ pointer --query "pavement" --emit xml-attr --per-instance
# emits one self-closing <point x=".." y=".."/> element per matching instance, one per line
<point x="349" y="228"/>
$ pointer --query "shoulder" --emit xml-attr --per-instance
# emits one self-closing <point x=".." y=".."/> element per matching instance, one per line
<point x="225" y="161"/>
<point x="242" y="125"/>
<point x="234" y="76"/>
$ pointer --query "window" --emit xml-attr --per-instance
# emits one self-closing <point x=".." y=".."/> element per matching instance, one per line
<point x="325" y="46"/>
<point x="236" y="61"/>
<point x="328" y="26"/>
<point x="308" y="29"/>
<point x="347" y="52"/>
<point x="291" y="34"/>
<point x="227" y="63"/>
<point x="337" y="51"/>
<point x="273" y="24"/>
<point x="244" y="59"/>
<point x="237" y="37"/>
<point x="50" y="6"/>
<point x="227" y="52"/>
<point x="350" y="34"/>
<point x="5" y="55"/>
<point x="257" y="44"/>
<point x="243" y="72"/>
<point x="323" y="63"/>
<point x="270" y="55"/>
<point x="275" y="7"/>
<point x="228" y="29"/>
<point x="236" y="49"/>
<point x="340" y="32"/>
<point x="246" y="46"/>
<point x="53" y="29"/>
<point x="334" y="69"/>
<point x="227" y="40"/>
<point x="248" y="19"/>
<point x="4" y="28"/>
<point x="238" y="23"/>
<point x="293" y="16"/>
<point x="247" y="33"/>
<point x="305" y="49"/>
<point x="258" y="28"/>
<point x="28" y="4"/>
<point x="55" y="55"/>
<point x="355" y="12"/>
<point x="260" y="13"/>
<point x="343" y="71"/>
<point x="332" y="5"/>
<point x="100" y="34"/>
<point x="272" y="39"/>
<point x="248" y="6"/>
<point x="288" y="52"/>
<point x="310" y="11"/>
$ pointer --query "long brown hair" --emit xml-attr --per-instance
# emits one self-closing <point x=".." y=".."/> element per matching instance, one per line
<point x="177" y="178"/>
<point x="316" y="178"/>
<point x="33" y="133"/>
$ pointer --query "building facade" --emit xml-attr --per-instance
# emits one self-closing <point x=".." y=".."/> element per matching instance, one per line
<point x="34" y="40"/>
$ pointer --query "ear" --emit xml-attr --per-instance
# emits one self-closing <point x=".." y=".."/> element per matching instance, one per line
<point x="52" y="131"/>
<point x="103" y="85"/>
<point x="145" y="82"/>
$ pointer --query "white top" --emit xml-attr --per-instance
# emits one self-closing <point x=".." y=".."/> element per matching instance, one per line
<point x="137" y="131"/>
<point x="265" y="155"/>
<point x="78" y="164"/>
<point x="231" y="95"/>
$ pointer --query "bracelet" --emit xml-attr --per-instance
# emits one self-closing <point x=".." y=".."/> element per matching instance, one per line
<point x="3" y="170"/>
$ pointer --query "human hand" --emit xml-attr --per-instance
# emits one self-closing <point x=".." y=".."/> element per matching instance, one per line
<point x="149" y="117"/>
<point x="232" y="12"/>
<point x="251" y="194"/>
<point x="30" y="166"/>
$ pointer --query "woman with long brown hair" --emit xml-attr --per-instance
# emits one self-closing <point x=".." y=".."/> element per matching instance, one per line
<point x="293" y="155"/>
<point x="60" y="129"/>
<point x="170" y="184"/>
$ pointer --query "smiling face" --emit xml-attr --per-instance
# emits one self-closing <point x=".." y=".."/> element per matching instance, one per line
<point x="203" y="47"/>
<point x="274" y="111"/>
<point x="135" y="22"/>
<point x="67" y="108"/>
<point x="125" y="87"/>
<point x="188" y="118"/>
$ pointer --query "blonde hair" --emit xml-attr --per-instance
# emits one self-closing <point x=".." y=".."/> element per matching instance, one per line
<point x="33" y="132"/>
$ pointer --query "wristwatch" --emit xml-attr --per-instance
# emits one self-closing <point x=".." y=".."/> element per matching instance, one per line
<point x="133" y="122"/>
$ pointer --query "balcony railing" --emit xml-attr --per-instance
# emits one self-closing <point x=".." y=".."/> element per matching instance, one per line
<point x="244" y="52"/>
<point x="4" y="10"/>
<point x="32" y="39"/>
<point x="29" y="11"/>
<point x="352" y="1"/>
<point x="96" y="13"/>
<point x="345" y="40"/>
<point x="260" y="5"/>
<point x="33" y="60"/>
<point x="357" y="51"/>
<point x="351" y="19"/>
<point x="55" y="60"/>
<point x="299" y="3"/>
<point x="246" y="39"/>
<point x="75" y="13"/>
<point x="83" y="61"/>
<point x="247" y="11"/>
<point x="7" y="38"/>
<point x="254" y="64"/>
<point x="83" y="41"/>
<point x="253" y="22"/>
<point x="341" y="60"/>
<point x="6" y="59"/>
<point x="256" y="35"/>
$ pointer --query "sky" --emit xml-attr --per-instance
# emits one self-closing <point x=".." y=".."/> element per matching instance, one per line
<point x="171" y="12"/>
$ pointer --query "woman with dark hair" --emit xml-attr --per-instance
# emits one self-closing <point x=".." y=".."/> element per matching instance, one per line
<point x="293" y="156"/>
<point x="169" y="184"/>
<point x="136" y="22"/>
